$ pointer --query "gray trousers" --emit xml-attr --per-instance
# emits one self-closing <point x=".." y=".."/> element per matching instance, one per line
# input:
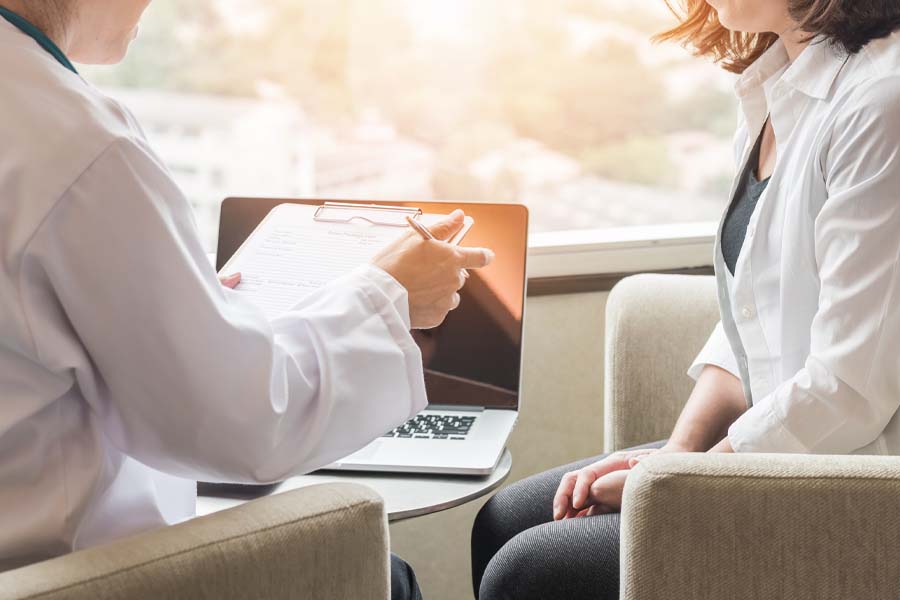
<point x="520" y="553"/>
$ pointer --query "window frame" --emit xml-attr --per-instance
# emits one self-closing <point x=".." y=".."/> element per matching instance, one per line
<point x="593" y="260"/>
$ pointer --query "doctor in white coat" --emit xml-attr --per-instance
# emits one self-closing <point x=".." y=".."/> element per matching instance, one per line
<point x="127" y="371"/>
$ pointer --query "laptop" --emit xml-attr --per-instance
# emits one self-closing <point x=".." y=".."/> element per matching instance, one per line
<point x="473" y="361"/>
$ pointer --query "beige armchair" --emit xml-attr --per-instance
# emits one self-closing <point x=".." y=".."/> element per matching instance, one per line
<point x="320" y="542"/>
<point x="734" y="527"/>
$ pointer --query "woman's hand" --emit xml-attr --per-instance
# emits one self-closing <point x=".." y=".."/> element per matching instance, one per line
<point x="597" y="489"/>
<point x="432" y="271"/>
<point x="230" y="281"/>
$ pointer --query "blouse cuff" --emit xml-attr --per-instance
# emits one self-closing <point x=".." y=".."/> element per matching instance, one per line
<point x="717" y="352"/>
<point x="761" y="430"/>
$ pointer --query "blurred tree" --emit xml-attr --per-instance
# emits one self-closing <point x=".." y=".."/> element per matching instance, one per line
<point x="302" y="47"/>
<point x="168" y="34"/>
<point x="638" y="160"/>
<point x="705" y="109"/>
<point x="566" y="73"/>
<point x="575" y="101"/>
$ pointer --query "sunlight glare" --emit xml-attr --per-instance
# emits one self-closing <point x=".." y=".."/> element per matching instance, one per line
<point x="441" y="19"/>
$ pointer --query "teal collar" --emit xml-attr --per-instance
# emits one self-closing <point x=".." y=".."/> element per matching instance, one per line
<point x="38" y="36"/>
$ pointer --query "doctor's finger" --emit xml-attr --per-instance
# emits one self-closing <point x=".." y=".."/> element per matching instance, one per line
<point x="449" y="226"/>
<point x="230" y="281"/>
<point x="475" y="258"/>
<point x="462" y="278"/>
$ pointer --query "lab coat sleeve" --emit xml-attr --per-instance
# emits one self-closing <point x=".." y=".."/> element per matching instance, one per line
<point x="849" y="388"/>
<point x="717" y="351"/>
<point x="187" y="377"/>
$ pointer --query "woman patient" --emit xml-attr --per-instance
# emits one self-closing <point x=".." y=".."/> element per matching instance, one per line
<point x="805" y="357"/>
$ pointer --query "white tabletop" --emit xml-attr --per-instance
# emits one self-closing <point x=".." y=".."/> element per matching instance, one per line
<point x="405" y="496"/>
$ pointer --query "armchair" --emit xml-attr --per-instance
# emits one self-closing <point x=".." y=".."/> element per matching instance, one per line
<point x="736" y="527"/>
<point x="327" y="541"/>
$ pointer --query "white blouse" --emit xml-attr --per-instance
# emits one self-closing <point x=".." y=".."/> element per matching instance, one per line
<point x="126" y="370"/>
<point x="811" y="321"/>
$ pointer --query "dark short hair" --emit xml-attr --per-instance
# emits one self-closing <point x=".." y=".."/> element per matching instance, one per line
<point x="847" y="24"/>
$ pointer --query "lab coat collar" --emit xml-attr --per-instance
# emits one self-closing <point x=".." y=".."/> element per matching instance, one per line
<point x="11" y="33"/>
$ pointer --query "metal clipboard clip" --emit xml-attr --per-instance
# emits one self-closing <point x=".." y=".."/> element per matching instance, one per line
<point x="388" y="216"/>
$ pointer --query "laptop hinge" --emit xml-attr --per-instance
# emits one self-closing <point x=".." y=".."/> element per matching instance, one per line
<point x="454" y="407"/>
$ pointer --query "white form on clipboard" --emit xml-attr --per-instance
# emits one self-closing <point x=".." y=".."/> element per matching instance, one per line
<point x="298" y="248"/>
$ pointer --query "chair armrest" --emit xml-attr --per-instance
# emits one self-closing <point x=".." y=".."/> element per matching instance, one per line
<point x="761" y="526"/>
<point x="655" y="326"/>
<point x="326" y="541"/>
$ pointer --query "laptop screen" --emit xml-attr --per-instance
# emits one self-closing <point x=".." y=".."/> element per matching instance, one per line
<point x="474" y="358"/>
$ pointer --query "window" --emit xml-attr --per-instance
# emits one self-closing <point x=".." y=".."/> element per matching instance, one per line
<point x="564" y="105"/>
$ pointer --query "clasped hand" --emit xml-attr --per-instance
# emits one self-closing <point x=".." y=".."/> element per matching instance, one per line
<point x="597" y="488"/>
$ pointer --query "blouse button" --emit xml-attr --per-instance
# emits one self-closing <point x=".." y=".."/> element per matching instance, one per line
<point x="747" y="312"/>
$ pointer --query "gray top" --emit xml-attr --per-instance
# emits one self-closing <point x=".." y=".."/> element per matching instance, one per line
<point x="738" y="231"/>
<point x="742" y="206"/>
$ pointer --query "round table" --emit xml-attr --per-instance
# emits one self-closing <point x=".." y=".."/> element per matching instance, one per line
<point x="405" y="496"/>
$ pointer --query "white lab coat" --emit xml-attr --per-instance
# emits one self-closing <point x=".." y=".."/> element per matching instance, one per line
<point x="127" y="371"/>
<point x="811" y="319"/>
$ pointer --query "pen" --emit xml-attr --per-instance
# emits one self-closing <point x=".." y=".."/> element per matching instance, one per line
<point x="426" y="235"/>
<point x="420" y="229"/>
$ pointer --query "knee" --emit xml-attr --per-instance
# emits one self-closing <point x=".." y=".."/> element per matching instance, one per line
<point x="518" y="571"/>
<point x="495" y="524"/>
<point x="573" y="559"/>
<point x="510" y="511"/>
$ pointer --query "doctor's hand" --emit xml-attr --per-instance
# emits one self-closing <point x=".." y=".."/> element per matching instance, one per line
<point x="230" y="281"/>
<point x="432" y="271"/>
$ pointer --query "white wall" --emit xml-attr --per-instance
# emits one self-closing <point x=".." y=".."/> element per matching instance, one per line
<point x="561" y="421"/>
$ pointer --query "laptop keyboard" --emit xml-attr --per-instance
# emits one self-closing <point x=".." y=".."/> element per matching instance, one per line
<point x="434" y="427"/>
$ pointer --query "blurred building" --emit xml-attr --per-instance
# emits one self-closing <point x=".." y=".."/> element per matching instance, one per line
<point x="527" y="163"/>
<point x="591" y="202"/>
<point x="220" y="146"/>
<point x="560" y="196"/>
<point x="370" y="160"/>
<point x="704" y="162"/>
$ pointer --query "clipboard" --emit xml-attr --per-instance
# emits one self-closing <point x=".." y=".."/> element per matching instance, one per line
<point x="298" y="248"/>
<point x="379" y="215"/>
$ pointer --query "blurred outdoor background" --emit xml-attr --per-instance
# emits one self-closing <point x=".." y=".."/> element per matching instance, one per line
<point x="564" y="105"/>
